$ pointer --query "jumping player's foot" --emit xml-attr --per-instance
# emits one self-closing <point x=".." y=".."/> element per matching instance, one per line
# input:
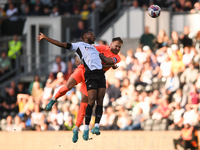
<point x="86" y="135"/>
<point x="96" y="131"/>
<point x="50" y="104"/>
<point x="75" y="136"/>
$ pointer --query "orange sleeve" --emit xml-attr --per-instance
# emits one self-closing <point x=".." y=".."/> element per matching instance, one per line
<point x="100" y="48"/>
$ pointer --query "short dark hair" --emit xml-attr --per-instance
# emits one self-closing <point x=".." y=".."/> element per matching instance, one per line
<point x="84" y="32"/>
<point x="117" y="39"/>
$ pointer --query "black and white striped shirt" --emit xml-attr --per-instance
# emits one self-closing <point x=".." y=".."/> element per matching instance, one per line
<point x="88" y="54"/>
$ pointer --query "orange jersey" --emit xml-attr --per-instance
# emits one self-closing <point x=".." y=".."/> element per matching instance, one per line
<point x="78" y="75"/>
<point x="105" y="50"/>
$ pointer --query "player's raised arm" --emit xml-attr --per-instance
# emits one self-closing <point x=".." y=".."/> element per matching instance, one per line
<point x="55" y="42"/>
<point x="106" y="60"/>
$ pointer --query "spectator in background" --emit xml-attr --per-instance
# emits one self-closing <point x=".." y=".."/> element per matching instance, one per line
<point x="129" y="56"/>
<point x="196" y="8"/>
<point x="6" y="6"/>
<point x="189" y="76"/>
<point x="113" y="91"/>
<point x="36" y="78"/>
<point x="30" y="105"/>
<point x="188" y="6"/>
<point x="37" y="10"/>
<point x="177" y="65"/>
<point x="147" y="38"/>
<point x="56" y="114"/>
<point x="22" y="6"/>
<point x="175" y="39"/>
<point x="193" y="96"/>
<point x="178" y="118"/>
<point x="184" y="38"/>
<point x="155" y="65"/>
<point x="59" y="82"/>
<point x="172" y="84"/>
<point x="46" y="11"/>
<point x="55" y="12"/>
<point x="11" y="12"/>
<point x="161" y="40"/>
<point x="141" y="55"/>
<point x="122" y="121"/>
<point x="85" y="12"/>
<point x="197" y="40"/>
<point x="175" y="51"/>
<point x="10" y="104"/>
<point x="135" y="6"/>
<point x="47" y="94"/>
<point x="9" y="126"/>
<point x="58" y="66"/>
<point x="69" y="124"/>
<point x="108" y="121"/>
<point x="12" y="85"/>
<point x="66" y="7"/>
<point x="135" y="122"/>
<point x="188" y="56"/>
<point x="80" y="29"/>
<point x="47" y="3"/>
<point x="165" y="67"/>
<point x="188" y="137"/>
<point x="14" y="48"/>
<point x="27" y="11"/>
<point x="36" y="116"/>
<point x="146" y="75"/>
<point x="37" y="92"/>
<point x="17" y="126"/>
<point x="5" y="64"/>
<point x="103" y="42"/>
<point x="162" y="111"/>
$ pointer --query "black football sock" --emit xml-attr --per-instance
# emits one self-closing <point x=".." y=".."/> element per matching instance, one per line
<point x="98" y="113"/>
<point x="88" y="114"/>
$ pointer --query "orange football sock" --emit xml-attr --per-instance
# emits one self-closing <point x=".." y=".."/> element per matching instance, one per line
<point x="62" y="91"/>
<point x="81" y="114"/>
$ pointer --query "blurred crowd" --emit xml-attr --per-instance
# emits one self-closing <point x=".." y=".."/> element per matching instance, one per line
<point x="83" y="7"/>
<point x="49" y="7"/>
<point x="159" y="80"/>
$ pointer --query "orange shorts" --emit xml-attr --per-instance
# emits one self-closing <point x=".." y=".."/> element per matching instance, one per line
<point x="78" y="75"/>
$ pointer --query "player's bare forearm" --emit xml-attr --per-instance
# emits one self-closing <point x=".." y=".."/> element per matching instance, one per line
<point x="106" y="60"/>
<point x="55" y="42"/>
<point x="107" y="66"/>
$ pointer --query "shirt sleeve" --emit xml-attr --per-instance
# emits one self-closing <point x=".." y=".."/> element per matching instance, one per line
<point x="116" y="59"/>
<point x="74" y="46"/>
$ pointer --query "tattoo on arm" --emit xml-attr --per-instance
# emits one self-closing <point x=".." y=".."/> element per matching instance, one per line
<point x="106" y="60"/>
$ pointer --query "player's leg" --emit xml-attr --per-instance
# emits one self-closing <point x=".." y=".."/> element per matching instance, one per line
<point x="80" y="117"/>
<point x="62" y="91"/>
<point x="99" y="110"/>
<point x="92" y="95"/>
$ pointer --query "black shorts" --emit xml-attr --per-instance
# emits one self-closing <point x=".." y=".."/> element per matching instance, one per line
<point x="95" y="79"/>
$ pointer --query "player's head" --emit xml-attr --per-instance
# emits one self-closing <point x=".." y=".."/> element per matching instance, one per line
<point x="116" y="44"/>
<point x="88" y="36"/>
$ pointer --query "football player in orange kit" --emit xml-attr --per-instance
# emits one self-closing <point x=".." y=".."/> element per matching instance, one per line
<point x="78" y="77"/>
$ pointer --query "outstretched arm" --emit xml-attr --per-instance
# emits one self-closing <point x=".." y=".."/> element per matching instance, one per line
<point x="57" y="43"/>
<point x="106" y="60"/>
<point x="108" y="66"/>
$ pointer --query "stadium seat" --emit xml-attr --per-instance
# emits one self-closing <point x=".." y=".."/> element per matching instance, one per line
<point x="156" y="125"/>
<point x="148" y="125"/>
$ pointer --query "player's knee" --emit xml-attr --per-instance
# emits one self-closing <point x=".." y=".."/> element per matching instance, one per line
<point x="91" y="102"/>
